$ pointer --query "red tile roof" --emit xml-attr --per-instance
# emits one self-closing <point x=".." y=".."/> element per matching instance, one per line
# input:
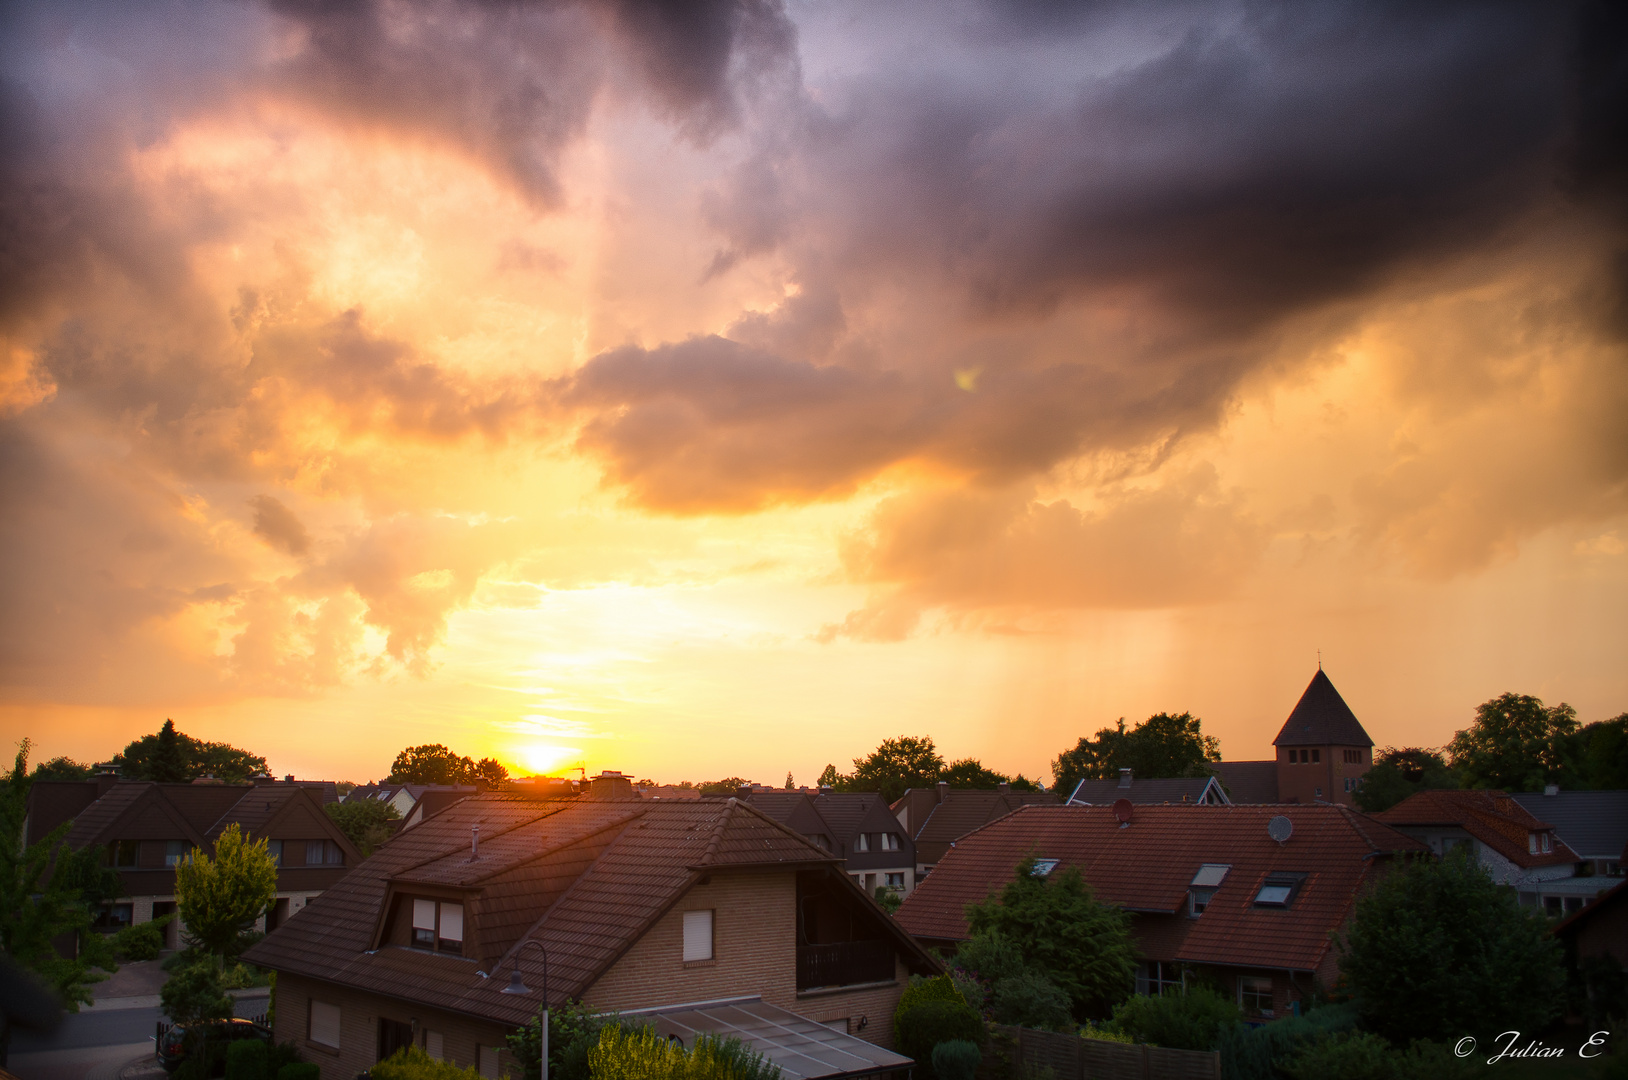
<point x="1149" y="865"/>
<point x="1490" y="816"/>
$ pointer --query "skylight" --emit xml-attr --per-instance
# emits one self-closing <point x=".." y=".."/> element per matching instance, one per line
<point x="1279" y="889"/>
<point x="1211" y="874"/>
<point x="1043" y="867"/>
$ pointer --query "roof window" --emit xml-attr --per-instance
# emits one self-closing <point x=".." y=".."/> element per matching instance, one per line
<point x="1279" y="889"/>
<point x="1211" y="874"/>
<point x="1043" y="867"/>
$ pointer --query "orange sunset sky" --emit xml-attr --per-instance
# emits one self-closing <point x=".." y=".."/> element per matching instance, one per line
<point x="718" y="389"/>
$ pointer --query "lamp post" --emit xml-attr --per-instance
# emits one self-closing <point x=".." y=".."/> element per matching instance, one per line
<point x="518" y="986"/>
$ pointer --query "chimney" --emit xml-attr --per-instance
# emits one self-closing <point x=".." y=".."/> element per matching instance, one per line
<point x="1003" y="787"/>
<point x="611" y="785"/>
<point x="1551" y="789"/>
<point x="1124" y="778"/>
<point x="825" y="789"/>
<point x="743" y="793"/>
<point x="106" y="777"/>
<point x="943" y="787"/>
<point x="289" y="779"/>
<point x="474" y="841"/>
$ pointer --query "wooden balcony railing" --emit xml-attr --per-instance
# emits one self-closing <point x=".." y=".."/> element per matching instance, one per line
<point x="843" y="964"/>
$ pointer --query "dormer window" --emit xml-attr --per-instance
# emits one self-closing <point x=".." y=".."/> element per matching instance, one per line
<point x="438" y="926"/>
<point x="1279" y="889"/>
<point x="1204" y="884"/>
<point x="890" y="841"/>
<point x="1537" y="842"/>
<point x="862" y="842"/>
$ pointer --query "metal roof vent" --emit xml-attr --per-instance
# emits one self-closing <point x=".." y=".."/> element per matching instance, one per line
<point x="1280" y="828"/>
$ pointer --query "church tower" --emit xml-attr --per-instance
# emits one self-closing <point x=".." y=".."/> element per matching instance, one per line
<point x="1322" y="750"/>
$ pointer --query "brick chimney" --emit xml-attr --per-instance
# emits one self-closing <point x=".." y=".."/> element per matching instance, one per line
<point x="611" y="785"/>
<point x="1124" y="778"/>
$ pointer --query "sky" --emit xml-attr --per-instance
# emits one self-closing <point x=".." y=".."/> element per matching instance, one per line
<point x="720" y="388"/>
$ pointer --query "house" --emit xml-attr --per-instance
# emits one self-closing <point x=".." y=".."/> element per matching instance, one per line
<point x="146" y="828"/>
<point x="1247" y="781"/>
<point x="936" y="817"/>
<point x="1205" y="790"/>
<point x="1516" y="848"/>
<point x="685" y="910"/>
<point x="857" y="826"/>
<point x="1600" y="929"/>
<point x="1243" y="897"/>
<point x="1594" y="824"/>
<point x="414" y="802"/>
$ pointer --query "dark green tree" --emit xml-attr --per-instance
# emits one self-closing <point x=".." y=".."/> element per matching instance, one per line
<point x="1060" y="929"/>
<point x="829" y="777"/>
<point x="970" y="773"/>
<point x="490" y="771"/>
<point x="897" y="764"/>
<point x="1602" y="754"/>
<point x="195" y="993"/>
<point x="365" y="822"/>
<point x="1437" y="949"/>
<point x="727" y="786"/>
<point x="1398" y="773"/>
<point x="48" y="890"/>
<point x="62" y="768"/>
<point x="1165" y="744"/>
<point x="1023" y="783"/>
<point x="1516" y="744"/>
<point x="431" y="763"/>
<point x="155" y="757"/>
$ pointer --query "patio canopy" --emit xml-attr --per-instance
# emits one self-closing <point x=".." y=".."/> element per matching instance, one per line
<point x="804" y="1049"/>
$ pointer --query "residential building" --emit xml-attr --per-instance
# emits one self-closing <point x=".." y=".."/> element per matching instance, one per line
<point x="414" y="802"/>
<point x="1205" y="790"/>
<point x="1594" y="824"/>
<point x="1242" y="897"/>
<point x="1600" y="929"/>
<point x="857" y="826"/>
<point x="146" y="828"/>
<point x="1516" y="848"/>
<point x="696" y="913"/>
<point x="936" y="817"/>
<point x="1248" y="781"/>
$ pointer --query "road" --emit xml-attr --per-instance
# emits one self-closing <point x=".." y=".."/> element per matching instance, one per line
<point x="92" y="1045"/>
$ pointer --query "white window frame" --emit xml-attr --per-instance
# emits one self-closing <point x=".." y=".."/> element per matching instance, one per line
<point x="700" y="935"/>
<point x="322" y="1020"/>
<point x="1256" y="982"/>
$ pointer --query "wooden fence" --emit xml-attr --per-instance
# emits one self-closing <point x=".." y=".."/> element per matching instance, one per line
<point x="1025" y="1054"/>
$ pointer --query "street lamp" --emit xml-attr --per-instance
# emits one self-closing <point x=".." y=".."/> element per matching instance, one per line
<point x="517" y="985"/>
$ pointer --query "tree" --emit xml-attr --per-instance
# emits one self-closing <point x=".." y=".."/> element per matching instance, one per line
<point x="1023" y="783"/>
<point x="195" y="993"/>
<point x="970" y="773"/>
<point x="62" y="768"/>
<point x="1438" y="947"/>
<point x="219" y="899"/>
<point x="365" y="823"/>
<point x="1602" y="754"/>
<point x="48" y="890"/>
<point x="1058" y="927"/>
<point x="177" y="757"/>
<point x="727" y="786"/>
<point x="791" y="785"/>
<point x="897" y="764"/>
<point x="1165" y="744"/>
<point x="829" y="777"/>
<point x="431" y="763"/>
<point x="1516" y="744"/>
<point x="490" y="771"/>
<point x="1396" y="774"/>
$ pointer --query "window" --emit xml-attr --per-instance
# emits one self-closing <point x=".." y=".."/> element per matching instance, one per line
<point x="1573" y="903"/>
<point x="890" y="841"/>
<point x="489" y="1064"/>
<point x="1156" y="978"/>
<point x="1316" y="756"/>
<point x="698" y="935"/>
<point x="176" y="852"/>
<point x="1198" y="900"/>
<point x="123" y="853"/>
<point x="114" y="917"/>
<point x="1043" y="867"/>
<point x="1255" y="995"/>
<point x="862" y="842"/>
<point x="434" y="1044"/>
<point x="438" y="926"/>
<point x="1546" y="847"/>
<point x="1353" y="757"/>
<point x="1279" y="889"/>
<point x="274" y="848"/>
<point x="323" y="853"/>
<point x="1551" y="905"/>
<point x="819" y="840"/>
<point x="324" y="1028"/>
<point x="895" y="881"/>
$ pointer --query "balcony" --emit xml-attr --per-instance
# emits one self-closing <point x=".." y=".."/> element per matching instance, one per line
<point x="844" y="963"/>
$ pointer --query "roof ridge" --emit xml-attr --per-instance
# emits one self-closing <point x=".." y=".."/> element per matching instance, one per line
<point x="718" y="832"/>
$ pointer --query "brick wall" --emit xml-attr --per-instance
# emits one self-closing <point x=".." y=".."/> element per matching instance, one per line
<point x="754" y="954"/>
<point x="359" y="1015"/>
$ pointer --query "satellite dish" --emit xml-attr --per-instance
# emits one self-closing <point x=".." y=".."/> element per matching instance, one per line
<point x="1280" y="828"/>
<point x="1122" y="811"/>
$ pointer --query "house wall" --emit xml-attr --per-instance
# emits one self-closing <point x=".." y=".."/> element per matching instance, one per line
<point x="1505" y="872"/>
<point x="359" y="1014"/>
<point x="754" y="953"/>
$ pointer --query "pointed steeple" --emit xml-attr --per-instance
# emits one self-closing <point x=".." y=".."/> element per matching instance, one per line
<point x="1322" y="718"/>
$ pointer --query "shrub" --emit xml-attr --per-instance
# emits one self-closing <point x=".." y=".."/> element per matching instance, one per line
<point x="956" y="1059"/>
<point x="624" y="1053"/>
<point x="1190" y="1021"/>
<point x="572" y="1032"/>
<point x="1250" y="1053"/>
<point x="713" y="1058"/>
<point x="924" y="1026"/>
<point x="1346" y="1057"/>
<point x="990" y="958"/>
<point x="1029" y="999"/>
<point x="300" y="1070"/>
<point x="194" y="993"/>
<point x="246" y="1060"/>
<point x="1089" y="1030"/>
<point x="142" y="941"/>
<point x="920" y="990"/>
<point x="279" y="1056"/>
<point x="412" y="1063"/>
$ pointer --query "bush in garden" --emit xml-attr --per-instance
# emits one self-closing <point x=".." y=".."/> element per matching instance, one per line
<point x="924" y="1026"/>
<point x="1250" y="1053"/>
<point x="246" y="1059"/>
<point x="412" y="1063"/>
<point x="1029" y="999"/>
<point x="300" y="1070"/>
<point x="194" y="993"/>
<point x="920" y="991"/>
<point x="141" y="941"/>
<point x="1356" y="1056"/>
<point x="1190" y="1021"/>
<point x="572" y="1032"/>
<point x="956" y="1059"/>
<point x="624" y="1053"/>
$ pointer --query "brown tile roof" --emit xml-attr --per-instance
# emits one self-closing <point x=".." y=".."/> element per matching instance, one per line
<point x="1149" y="865"/>
<point x="1153" y="789"/>
<point x="1490" y="816"/>
<point x="962" y="810"/>
<point x="52" y="802"/>
<point x="585" y="878"/>
<point x="1321" y="718"/>
<point x="1248" y="781"/>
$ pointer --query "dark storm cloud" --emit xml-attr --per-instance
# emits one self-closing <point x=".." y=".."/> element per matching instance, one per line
<point x="276" y="525"/>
